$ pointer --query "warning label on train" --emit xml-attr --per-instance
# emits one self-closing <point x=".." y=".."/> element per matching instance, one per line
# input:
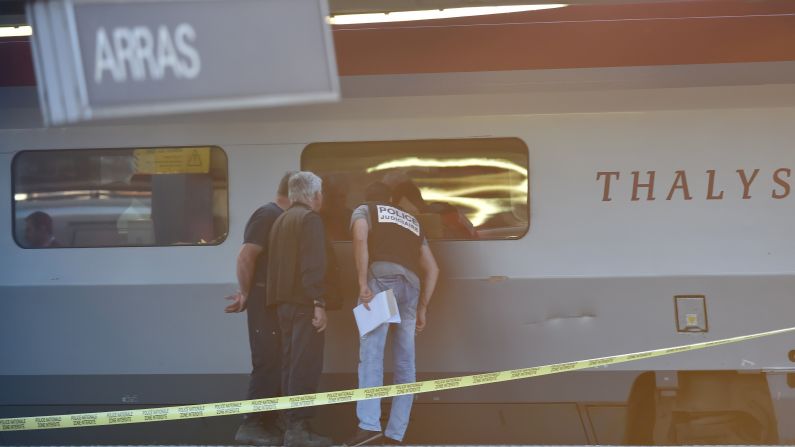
<point x="183" y="160"/>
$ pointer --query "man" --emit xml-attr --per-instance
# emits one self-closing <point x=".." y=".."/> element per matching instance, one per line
<point x="38" y="231"/>
<point x="453" y="223"/>
<point x="390" y="251"/>
<point x="263" y="325"/>
<point x="296" y="276"/>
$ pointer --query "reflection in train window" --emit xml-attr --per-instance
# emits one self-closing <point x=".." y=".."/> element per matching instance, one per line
<point x="120" y="197"/>
<point x="459" y="189"/>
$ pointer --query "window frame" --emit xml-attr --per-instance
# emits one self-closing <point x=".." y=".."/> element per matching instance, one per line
<point x="524" y="145"/>
<point x="13" y="177"/>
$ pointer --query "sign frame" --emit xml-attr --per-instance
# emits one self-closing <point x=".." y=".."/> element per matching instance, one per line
<point x="63" y="94"/>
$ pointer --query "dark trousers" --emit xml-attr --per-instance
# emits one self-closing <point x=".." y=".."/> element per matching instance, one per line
<point x="302" y="354"/>
<point x="264" y="338"/>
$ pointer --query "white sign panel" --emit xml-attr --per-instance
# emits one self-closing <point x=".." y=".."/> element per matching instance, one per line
<point x="389" y="214"/>
<point x="111" y="58"/>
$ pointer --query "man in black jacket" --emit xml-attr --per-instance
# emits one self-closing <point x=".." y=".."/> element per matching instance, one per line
<point x="296" y="286"/>
<point x="263" y="324"/>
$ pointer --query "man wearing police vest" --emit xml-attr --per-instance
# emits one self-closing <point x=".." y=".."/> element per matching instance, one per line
<point x="391" y="252"/>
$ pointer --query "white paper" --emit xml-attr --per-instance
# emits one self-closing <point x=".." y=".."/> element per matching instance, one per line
<point x="383" y="309"/>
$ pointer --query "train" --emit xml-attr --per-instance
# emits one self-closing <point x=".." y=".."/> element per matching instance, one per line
<point x="616" y="212"/>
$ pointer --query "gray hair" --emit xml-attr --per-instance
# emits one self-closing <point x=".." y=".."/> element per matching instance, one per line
<point x="303" y="186"/>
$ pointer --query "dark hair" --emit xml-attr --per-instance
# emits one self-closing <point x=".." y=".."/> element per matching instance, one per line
<point x="410" y="191"/>
<point x="40" y="219"/>
<point x="377" y="192"/>
<point x="284" y="188"/>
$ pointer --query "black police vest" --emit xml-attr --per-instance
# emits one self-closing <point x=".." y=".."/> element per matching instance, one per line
<point x="395" y="237"/>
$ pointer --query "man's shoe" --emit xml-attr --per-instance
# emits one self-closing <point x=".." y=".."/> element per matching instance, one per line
<point x="298" y="434"/>
<point x="255" y="432"/>
<point x="363" y="437"/>
<point x="390" y="441"/>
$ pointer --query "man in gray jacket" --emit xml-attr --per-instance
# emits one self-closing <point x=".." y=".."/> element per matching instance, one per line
<point x="296" y="286"/>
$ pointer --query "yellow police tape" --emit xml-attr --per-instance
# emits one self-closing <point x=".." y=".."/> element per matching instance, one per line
<point x="335" y="397"/>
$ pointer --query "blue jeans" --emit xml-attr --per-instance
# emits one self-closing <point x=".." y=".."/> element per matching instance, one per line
<point x="371" y="359"/>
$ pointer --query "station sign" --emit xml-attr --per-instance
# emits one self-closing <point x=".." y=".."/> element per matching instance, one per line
<point x="116" y="58"/>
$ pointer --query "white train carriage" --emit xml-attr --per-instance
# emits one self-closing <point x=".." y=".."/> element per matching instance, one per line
<point x="612" y="216"/>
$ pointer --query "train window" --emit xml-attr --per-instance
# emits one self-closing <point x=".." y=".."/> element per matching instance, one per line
<point x="120" y="197"/>
<point x="459" y="189"/>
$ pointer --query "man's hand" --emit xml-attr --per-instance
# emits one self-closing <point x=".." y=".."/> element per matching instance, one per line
<point x="319" y="322"/>
<point x="421" y="319"/>
<point x="365" y="295"/>
<point x="238" y="303"/>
